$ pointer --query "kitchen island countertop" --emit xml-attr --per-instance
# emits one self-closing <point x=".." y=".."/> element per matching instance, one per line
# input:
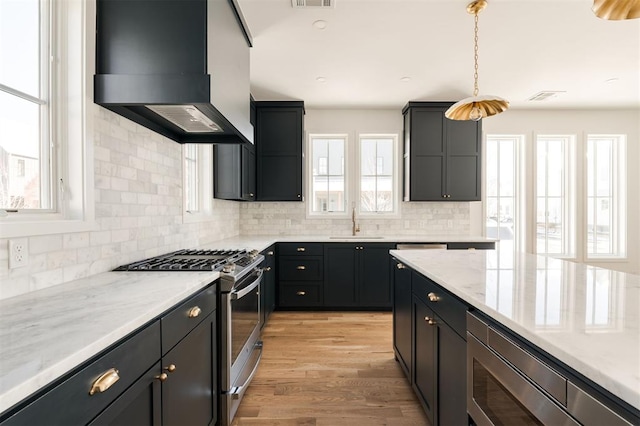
<point x="584" y="316"/>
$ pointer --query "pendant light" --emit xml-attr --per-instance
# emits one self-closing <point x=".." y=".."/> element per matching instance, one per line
<point x="616" y="9"/>
<point x="476" y="107"/>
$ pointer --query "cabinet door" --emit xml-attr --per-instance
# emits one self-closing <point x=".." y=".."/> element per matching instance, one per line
<point x="227" y="182"/>
<point x="279" y="178"/>
<point x="189" y="394"/>
<point x="268" y="291"/>
<point x="248" y="176"/>
<point x="374" y="282"/>
<point x="140" y="405"/>
<point x="425" y="361"/>
<point x="402" y="321"/>
<point x="428" y="150"/>
<point x="452" y="376"/>
<point x="279" y="130"/>
<point x="340" y="274"/>
<point x="463" y="160"/>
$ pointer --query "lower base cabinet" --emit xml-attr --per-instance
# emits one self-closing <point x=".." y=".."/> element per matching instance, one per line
<point x="136" y="382"/>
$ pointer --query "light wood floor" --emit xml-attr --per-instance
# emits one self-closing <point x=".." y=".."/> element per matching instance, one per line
<point x="329" y="369"/>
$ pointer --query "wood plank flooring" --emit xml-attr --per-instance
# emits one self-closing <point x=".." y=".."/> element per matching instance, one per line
<point x="329" y="369"/>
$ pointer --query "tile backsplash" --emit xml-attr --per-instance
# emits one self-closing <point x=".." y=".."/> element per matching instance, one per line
<point x="138" y="212"/>
<point x="416" y="219"/>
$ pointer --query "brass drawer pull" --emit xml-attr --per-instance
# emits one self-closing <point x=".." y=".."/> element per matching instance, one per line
<point x="430" y="321"/>
<point x="105" y="381"/>
<point x="433" y="297"/>
<point x="267" y="269"/>
<point x="270" y="253"/>
<point x="301" y="293"/>
<point x="400" y="266"/>
<point x="194" y="312"/>
<point x="301" y="249"/>
<point x="301" y="268"/>
<point x="171" y="368"/>
<point x="162" y="377"/>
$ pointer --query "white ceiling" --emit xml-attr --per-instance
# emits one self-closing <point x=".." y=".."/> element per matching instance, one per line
<point x="525" y="46"/>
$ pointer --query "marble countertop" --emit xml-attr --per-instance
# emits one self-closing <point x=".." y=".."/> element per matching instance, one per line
<point x="586" y="317"/>
<point x="46" y="333"/>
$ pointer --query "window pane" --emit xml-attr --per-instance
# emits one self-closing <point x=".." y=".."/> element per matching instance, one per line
<point x="21" y="181"/>
<point x="328" y="181"/>
<point x="376" y="180"/>
<point x="20" y="60"/>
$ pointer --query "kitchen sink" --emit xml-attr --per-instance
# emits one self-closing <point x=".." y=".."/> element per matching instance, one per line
<point x="355" y="237"/>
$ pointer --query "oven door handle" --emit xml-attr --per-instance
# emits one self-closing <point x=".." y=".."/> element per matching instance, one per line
<point x="235" y="294"/>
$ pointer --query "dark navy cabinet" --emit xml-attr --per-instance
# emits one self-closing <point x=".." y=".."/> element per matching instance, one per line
<point x="442" y="157"/>
<point x="279" y="141"/>
<point x="268" y="291"/>
<point x="234" y="172"/>
<point x="402" y="320"/>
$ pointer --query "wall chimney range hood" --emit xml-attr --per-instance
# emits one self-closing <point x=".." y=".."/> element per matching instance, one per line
<point x="177" y="67"/>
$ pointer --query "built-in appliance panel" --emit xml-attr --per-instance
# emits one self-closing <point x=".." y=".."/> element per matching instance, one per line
<point x="185" y="317"/>
<point x="300" y="268"/>
<point x="448" y="307"/>
<point x="79" y="397"/>
<point x="467" y="246"/>
<point x="300" y="294"/>
<point x="294" y="249"/>
<point x="588" y="410"/>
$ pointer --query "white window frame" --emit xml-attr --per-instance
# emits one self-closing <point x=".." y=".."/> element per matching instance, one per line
<point x="72" y="110"/>
<point x="347" y="177"/>
<point x="619" y="195"/>
<point x="395" y="212"/>
<point x="204" y="186"/>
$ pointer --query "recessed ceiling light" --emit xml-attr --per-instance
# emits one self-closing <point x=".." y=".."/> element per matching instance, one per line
<point x="320" y="24"/>
<point x="612" y="80"/>
<point x="321" y="79"/>
<point x="405" y="79"/>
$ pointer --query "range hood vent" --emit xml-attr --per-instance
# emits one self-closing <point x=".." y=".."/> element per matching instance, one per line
<point x="187" y="117"/>
<point x="301" y="4"/>
<point x="177" y="67"/>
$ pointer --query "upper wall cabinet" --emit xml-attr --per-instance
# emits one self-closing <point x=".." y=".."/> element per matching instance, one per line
<point x="279" y="142"/>
<point x="441" y="156"/>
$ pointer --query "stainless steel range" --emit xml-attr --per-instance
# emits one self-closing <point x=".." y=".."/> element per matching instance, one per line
<point x="239" y="313"/>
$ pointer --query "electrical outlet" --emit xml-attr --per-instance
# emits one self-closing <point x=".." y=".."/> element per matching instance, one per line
<point x="18" y="252"/>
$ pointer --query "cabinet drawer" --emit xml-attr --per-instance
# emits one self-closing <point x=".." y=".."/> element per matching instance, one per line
<point x="70" y="402"/>
<point x="300" y="268"/>
<point x="293" y="249"/>
<point x="178" y="322"/>
<point x="447" y="306"/>
<point x="300" y="295"/>
<point x="467" y="246"/>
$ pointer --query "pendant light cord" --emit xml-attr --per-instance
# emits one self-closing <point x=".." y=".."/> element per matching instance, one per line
<point x="475" y="57"/>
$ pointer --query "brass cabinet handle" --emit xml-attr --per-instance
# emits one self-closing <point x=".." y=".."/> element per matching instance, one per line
<point x="162" y="377"/>
<point x="400" y="266"/>
<point x="269" y="253"/>
<point x="105" y="381"/>
<point x="301" y="268"/>
<point x="171" y="368"/>
<point x="267" y="269"/>
<point x="194" y="312"/>
<point x="301" y="293"/>
<point x="433" y="297"/>
<point x="430" y="321"/>
<point x="251" y="194"/>
<point x="301" y="249"/>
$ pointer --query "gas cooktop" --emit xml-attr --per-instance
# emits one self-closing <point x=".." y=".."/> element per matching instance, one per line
<point x="191" y="260"/>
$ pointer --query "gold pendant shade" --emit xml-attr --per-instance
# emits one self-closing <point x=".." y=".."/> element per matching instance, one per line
<point x="476" y="107"/>
<point x="616" y="10"/>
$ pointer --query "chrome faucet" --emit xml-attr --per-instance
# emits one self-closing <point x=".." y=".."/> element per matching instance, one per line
<point x="354" y="226"/>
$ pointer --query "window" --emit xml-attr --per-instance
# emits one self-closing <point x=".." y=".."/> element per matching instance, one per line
<point x="328" y="192"/>
<point x="554" y="190"/>
<point x="46" y="116"/>
<point x="26" y="171"/>
<point x="503" y="196"/>
<point x="377" y="182"/>
<point x="606" y="173"/>
<point x="191" y="183"/>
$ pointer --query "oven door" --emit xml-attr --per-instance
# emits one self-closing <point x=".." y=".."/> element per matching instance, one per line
<point x="241" y="348"/>
<point x="497" y="394"/>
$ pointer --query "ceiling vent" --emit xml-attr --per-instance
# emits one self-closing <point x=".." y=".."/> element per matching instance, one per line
<point x="544" y="95"/>
<point x="325" y="4"/>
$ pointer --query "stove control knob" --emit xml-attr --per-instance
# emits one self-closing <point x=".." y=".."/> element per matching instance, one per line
<point x="253" y="254"/>
<point x="229" y="268"/>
